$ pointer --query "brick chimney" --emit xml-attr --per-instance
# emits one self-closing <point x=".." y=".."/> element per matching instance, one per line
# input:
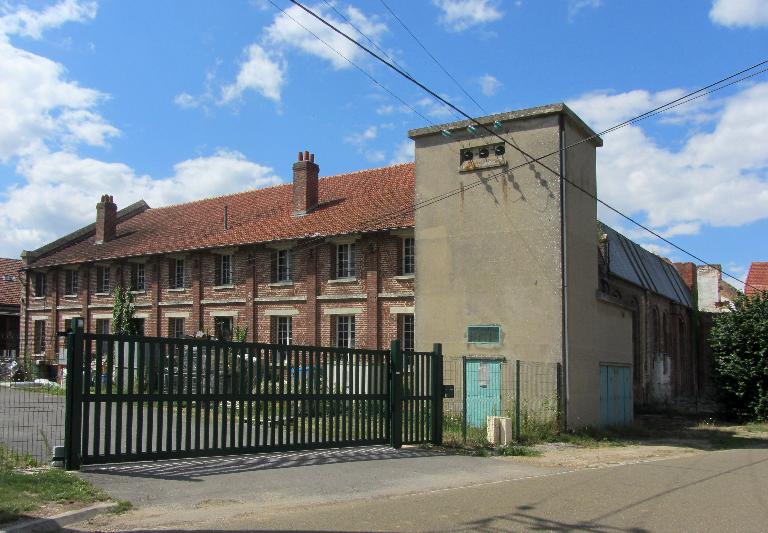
<point x="106" y="219"/>
<point x="305" y="173"/>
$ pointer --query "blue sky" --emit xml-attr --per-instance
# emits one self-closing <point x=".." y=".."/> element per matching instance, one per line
<point x="174" y="101"/>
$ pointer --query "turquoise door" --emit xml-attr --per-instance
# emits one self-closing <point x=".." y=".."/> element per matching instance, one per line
<point x="483" y="380"/>
<point x="615" y="395"/>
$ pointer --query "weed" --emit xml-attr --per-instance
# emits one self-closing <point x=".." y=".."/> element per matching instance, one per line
<point x="519" y="451"/>
<point x="123" y="506"/>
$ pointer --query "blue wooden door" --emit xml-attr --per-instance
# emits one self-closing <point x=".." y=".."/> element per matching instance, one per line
<point x="615" y="395"/>
<point x="483" y="379"/>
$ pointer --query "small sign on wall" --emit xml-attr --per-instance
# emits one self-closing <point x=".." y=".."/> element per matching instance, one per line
<point x="448" y="391"/>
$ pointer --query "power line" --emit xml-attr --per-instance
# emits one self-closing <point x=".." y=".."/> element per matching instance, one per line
<point x="363" y="71"/>
<point x="505" y="141"/>
<point x="437" y="62"/>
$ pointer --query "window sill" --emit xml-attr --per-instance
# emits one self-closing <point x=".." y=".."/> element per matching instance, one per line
<point x="281" y="284"/>
<point x="38" y="298"/>
<point x="141" y="291"/>
<point x="178" y="289"/>
<point x="223" y="287"/>
<point x="405" y="277"/>
<point x="71" y="296"/>
<point x="101" y="294"/>
<point x="343" y="280"/>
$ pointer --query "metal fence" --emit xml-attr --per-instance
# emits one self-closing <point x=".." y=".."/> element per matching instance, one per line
<point x="31" y="413"/>
<point x="526" y="392"/>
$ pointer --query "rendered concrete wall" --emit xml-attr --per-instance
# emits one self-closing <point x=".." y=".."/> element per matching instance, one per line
<point x="491" y="253"/>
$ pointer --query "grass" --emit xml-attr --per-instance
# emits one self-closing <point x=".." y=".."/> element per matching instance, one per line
<point x="516" y="450"/>
<point x="23" y="490"/>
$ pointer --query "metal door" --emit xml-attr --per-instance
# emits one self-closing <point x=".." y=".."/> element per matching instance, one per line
<point x="483" y="389"/>
<point x="615" y="395"/>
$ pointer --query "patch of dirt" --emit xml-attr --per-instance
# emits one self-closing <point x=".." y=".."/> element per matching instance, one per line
<point x="574" y="457"/>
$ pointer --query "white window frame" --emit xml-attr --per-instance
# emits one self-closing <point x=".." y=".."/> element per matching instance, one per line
<point x="283" y="329"/>
<point x="179" y="280"/>
<point x="102" y="322"/>
<point x="39" y="337"/>
<point x="283" y="271"/>
<point x="226" y="270"/>
<point x="346" y="257"/>
<point x="71" y="282"/>
<point x="103" y="280"/>
<point x="409" y="256"/>
<point x="138" y="277"/>
<point x="173" y="327"/>
<point x="41" y="284"/>
<point x="408" y="331"/>
<point x="345" y="331"/>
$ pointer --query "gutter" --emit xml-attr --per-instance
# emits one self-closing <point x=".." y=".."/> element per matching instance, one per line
<point x="564" y="271"/>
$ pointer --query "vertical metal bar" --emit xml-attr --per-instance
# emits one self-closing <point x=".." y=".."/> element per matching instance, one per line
<point x="272" y="391"/>
<point x="437" y="394"/>
<point x="151" y="387"/>
<point x="464" y="399"/>
<point x="295" y="391"/>
<point x="98" y="399"/>
<point x="74" y="398"/>
<point x="287" y="394"/>
<point x="396" y="390"/>
<point x="356" y="391"/>
<point x="304" y="411"/>
<point x="265" y="355"/>
<point x="108" y="414"/>
<point x="120" y="398"/>
<point x="141" y="377"/>
<point x="224" y="391"/>
<point x="199" y="347"/>
<point x="179" y="392"/>
<point x="216" y="392"/>
<point x="164" y="413"/>
<point x="87" y="395"/>
<point x="316" y="410"/>
<point x="517" y="400"/>
<point x="337" y="434"/>
<point x="248" y="358"/>
<point x="130" y="404"/>
<point x="232" y="352"/>
<point x="241" y="393"/>
<point x="189" y="357"/>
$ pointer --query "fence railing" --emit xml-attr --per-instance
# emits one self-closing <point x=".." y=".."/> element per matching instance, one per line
<point x="132" y="398"/>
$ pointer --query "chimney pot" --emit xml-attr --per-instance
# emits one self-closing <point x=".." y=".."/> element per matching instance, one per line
<point x="301" y="156"/>
<point x="312" y="157"/>
<point x="306" y="155"/>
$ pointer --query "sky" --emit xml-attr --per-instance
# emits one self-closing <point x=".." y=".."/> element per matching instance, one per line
<point x="174" y="101"/>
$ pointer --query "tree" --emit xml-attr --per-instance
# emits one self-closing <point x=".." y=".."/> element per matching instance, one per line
<point x="123" y="322"/>
<point x="739" y="342"/>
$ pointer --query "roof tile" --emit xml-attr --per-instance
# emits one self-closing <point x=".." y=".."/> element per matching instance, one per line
<point x="757" y="278"/>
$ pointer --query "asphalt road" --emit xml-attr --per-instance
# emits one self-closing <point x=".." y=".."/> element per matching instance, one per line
<point x="713" y="491"/>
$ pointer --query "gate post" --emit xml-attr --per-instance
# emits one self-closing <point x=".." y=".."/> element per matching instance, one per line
<point x="396" y="395"/>
<point x="437" y="394"/>
<point x="73" y="417"/>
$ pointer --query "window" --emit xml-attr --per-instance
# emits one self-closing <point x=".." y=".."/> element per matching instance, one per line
<point x="140" y="324"/>
<point x="41" y="284"/>
<point x="138" y="278"/>
<point x="345" y="331"/>
<point x="281" y="260"/>
<point x="345" y="261"/>
<point x="69" y="324"/>
<point x="176" y="327"/>
<point x="102" y="279"/>
<point x="282" y="329"/>
<point x="223" y="327"/>
<point x="484" y="334"/>
<point x="102" y="326"/>
<point x="224" y="270"/>
<point x="71" y="285"/>
<point x="409" y="256"/>
<point x="178" y="274"/>
<point x="39" y="340"/>
<point x="407" y="332"/>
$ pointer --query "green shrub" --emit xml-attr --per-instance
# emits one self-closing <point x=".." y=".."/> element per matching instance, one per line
<point x="516" y="450"/>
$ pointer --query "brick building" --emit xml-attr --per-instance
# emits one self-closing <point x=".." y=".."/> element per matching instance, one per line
<point x="319" y="262"/>
<point x="10" y="301"/>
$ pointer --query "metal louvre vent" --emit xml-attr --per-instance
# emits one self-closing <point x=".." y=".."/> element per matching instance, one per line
<point x="490" y="334"/>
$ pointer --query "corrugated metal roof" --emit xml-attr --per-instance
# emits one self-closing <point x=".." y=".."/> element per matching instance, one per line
<point x="633" y="263"/>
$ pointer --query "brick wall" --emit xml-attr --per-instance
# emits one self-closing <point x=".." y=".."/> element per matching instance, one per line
<point x="252" y="299"/>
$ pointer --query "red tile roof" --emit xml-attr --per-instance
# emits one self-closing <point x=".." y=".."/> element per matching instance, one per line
<point x="757" y="279"/>
<point x="10" y="286"/>
<point x="368" y="200"/>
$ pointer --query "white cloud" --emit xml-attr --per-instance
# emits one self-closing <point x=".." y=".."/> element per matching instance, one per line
<point x="29" y="23"/>
<point x="434" y="108"/>
<point x="40" y="107"/>
<point x="718" y="177"/>
<point x="186" y="101"/>
<point x="62" y="189"/>
<point x="459" y="15"/>
<point x="574" y="6"/>
<point x="370" y="133"/>
<point x="259" y="72"/>
<point x="286" y="33"/>
<point x="735" y="13"/>
<point x="386" y="109"/>
<point x="489" y="85"/>
<point x="404" y="153"/>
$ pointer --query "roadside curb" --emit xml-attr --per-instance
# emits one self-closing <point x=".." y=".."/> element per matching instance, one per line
<point x="56" y="522"/>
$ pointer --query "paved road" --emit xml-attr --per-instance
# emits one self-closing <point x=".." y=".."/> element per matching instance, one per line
<point x="715" y="491"/>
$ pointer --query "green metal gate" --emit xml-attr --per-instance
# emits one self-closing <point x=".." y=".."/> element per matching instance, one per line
<point x="147" y="398"/>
